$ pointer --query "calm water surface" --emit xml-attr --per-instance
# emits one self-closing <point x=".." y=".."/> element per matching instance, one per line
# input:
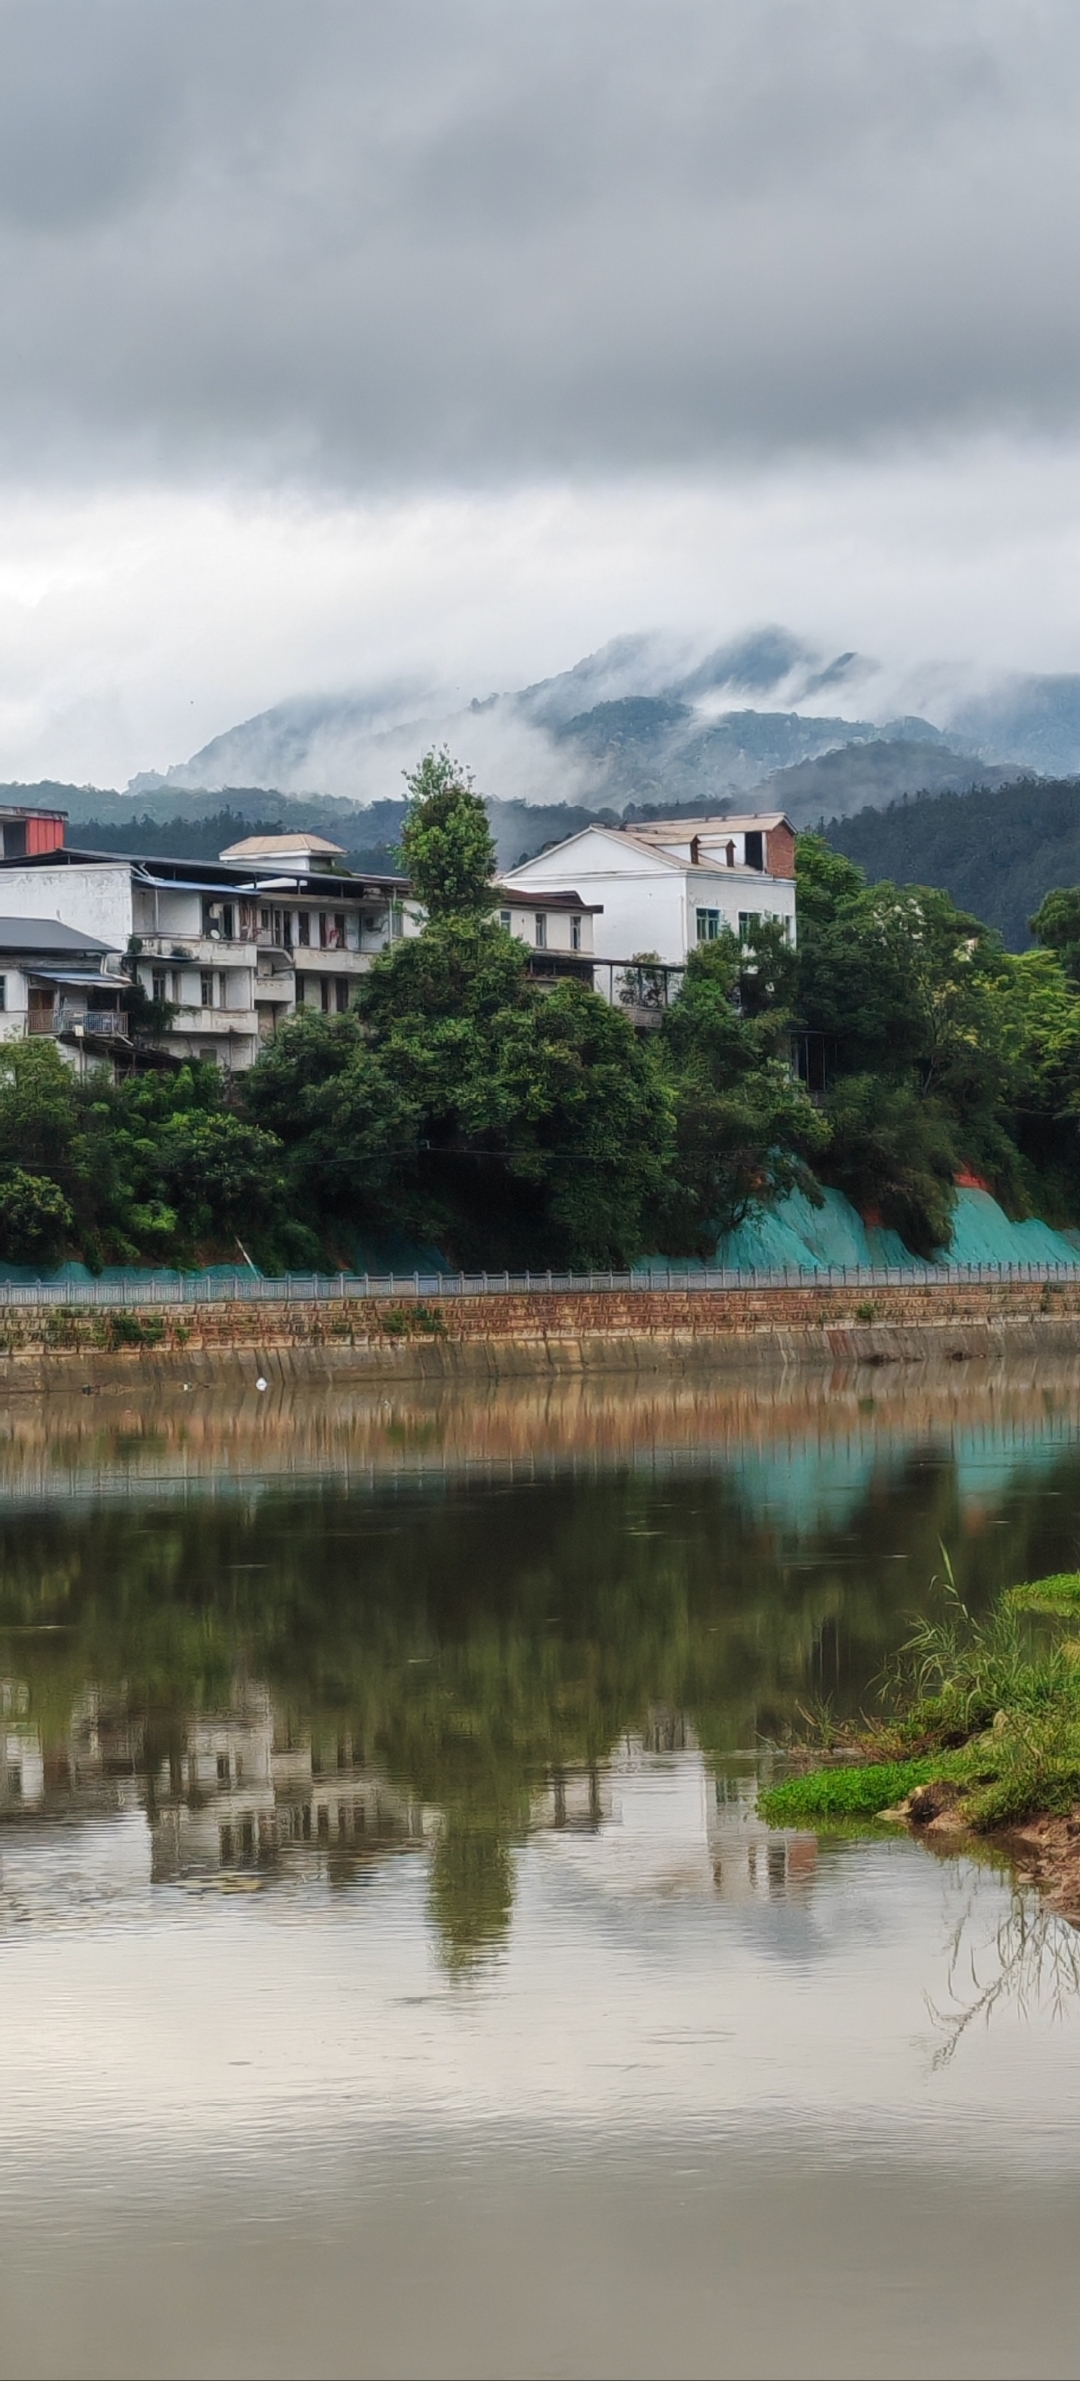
<point x="395" y="1977"/>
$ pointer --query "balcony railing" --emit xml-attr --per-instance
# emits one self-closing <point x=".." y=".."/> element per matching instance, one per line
<point x="107" y="1024"/>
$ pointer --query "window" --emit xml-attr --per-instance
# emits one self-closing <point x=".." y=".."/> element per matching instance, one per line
<point x="303" y="929"/>
<point x="159" y="984"/>
<point x="747" y="921"/>
<point x="324" y="988"/>
<point x="223" y="989"/>
<point x="339" y="930"/>
<point x="223" y="1769"/>
<point x="177" y="986"/>
<point x="3" y="992"/>
<point x="504" y="920"/>
<point x="754" y="852"/>
<point x="575" y="934"/>
<point x="228" y="921"/>
<point x="342" y="990"/>
<point x="708" y="925"/>
<point x="541" y="930"/>
<point x="264" y="921"/>
<point x="206" y="989"/>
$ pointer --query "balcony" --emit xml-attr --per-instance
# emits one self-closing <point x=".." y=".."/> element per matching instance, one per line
<point x="106" y="1024"/>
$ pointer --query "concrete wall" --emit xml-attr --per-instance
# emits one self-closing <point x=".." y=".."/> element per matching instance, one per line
<point x="95" y="899"/>
<point x="703" y="1333"/>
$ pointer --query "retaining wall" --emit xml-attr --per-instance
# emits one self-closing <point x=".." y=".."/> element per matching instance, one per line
<point x="512" y="1334"/>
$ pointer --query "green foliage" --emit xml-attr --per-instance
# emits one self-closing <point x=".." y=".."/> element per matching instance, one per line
<point x="945" y="1052"/>
<point x="1060" y="1594"/>
<point x="982" y="1706"/>
<point x="446" y="842"/>
<point x="848" y="1790"/>
<point x="744" y="1128"/>
<point x="894" y="1155"/>
<point x="513" y="1125"/>
<point x="1056" y="925"/>
<point x="998" y="851"/>
<point x="35" y="1218"/>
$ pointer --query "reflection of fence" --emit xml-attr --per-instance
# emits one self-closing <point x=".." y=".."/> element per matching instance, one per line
<point x="196" y="1289"/>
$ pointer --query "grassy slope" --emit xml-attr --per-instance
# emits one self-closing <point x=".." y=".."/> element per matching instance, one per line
<point x="993" y="1709"/>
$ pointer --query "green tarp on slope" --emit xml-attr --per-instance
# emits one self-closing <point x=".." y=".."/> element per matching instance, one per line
<point x="811" y="1239"/>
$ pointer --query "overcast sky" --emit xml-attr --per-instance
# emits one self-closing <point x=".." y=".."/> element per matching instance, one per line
<point x="454" y="337"/>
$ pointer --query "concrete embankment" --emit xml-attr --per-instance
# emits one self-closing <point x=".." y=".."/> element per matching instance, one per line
<point x="510" y="1334"/>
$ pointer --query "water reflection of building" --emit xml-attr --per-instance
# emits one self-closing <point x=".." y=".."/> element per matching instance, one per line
<point x="233" y="1792"/>
<point x="659" y="1820"/>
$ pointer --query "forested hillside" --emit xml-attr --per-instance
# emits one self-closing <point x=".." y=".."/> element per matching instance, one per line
<point x="998" y="852"/>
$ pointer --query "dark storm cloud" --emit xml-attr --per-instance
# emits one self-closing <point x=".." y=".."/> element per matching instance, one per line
<point x="402" y="243"/>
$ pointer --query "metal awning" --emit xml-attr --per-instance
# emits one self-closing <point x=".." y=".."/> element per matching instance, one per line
<point x="52" y="975"/>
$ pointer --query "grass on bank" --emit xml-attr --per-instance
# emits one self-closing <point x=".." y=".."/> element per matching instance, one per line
<point x="990" y="1707"/>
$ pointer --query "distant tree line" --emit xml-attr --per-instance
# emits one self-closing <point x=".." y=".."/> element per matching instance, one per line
<point x="998" y="851"/>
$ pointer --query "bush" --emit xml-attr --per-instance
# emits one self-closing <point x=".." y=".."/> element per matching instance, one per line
<point x="35" y="1218"/>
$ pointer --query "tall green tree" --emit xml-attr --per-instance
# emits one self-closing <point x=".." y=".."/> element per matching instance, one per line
<point x="446" y="842"/>
<point x="911" y="997"/>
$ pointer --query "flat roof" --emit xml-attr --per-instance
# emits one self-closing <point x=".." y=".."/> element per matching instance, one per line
<point x="209" y="876"/>
<point x="680" y="830"/>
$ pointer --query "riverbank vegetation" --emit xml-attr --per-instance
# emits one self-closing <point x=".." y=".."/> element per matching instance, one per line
<point x="982" y="1729"/>
<point x="461" y="1103"/>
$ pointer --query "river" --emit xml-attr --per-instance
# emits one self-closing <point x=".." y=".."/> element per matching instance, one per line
<point x="395" y="1977"/>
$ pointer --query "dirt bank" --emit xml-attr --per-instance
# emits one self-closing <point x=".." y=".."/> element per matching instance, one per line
<point x="1043" y="1851"/>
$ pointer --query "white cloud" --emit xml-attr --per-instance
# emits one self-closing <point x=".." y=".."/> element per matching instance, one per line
<point x="136" y="623"/>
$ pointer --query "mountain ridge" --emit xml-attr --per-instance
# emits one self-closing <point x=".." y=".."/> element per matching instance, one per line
<point x="645" y="719"/>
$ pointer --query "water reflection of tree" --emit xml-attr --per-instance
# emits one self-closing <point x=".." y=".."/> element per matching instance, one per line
<point x="471" y="1639"/>
<point x="1035" y="1958"/>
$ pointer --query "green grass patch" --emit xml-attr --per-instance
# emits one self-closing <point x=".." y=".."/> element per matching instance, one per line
<point x="993" y="1706"/>
<point x="846" y="1790"/>
<point x="1057" y="1595"/>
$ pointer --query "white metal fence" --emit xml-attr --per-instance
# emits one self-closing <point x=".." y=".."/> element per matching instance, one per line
<point x="196" y="1289"/>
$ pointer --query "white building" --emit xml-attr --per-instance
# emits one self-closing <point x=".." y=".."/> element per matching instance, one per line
<point x="234" y="944"/>
<point x="57" y="981"/>
<point x="556" y="927"/>
<point x="668" y="885"/>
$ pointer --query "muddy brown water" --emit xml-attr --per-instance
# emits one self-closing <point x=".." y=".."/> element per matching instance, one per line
<point x="395" y="1977"/>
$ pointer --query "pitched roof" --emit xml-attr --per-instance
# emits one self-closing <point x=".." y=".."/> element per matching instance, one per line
<point x="274" y="847"/>
<point x="544" y="897"/>
<point x="679" y="830"/>
<point x="47" y="934"/>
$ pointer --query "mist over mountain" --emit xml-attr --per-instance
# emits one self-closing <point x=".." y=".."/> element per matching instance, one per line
<point x="650" y="720"/>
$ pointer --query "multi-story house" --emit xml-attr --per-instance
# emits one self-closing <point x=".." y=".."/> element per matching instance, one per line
<point x="58" y="981"/>
<point x="278" y="923"/>
<point x="666" y="886"/>
<point x="233" y="945"/>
